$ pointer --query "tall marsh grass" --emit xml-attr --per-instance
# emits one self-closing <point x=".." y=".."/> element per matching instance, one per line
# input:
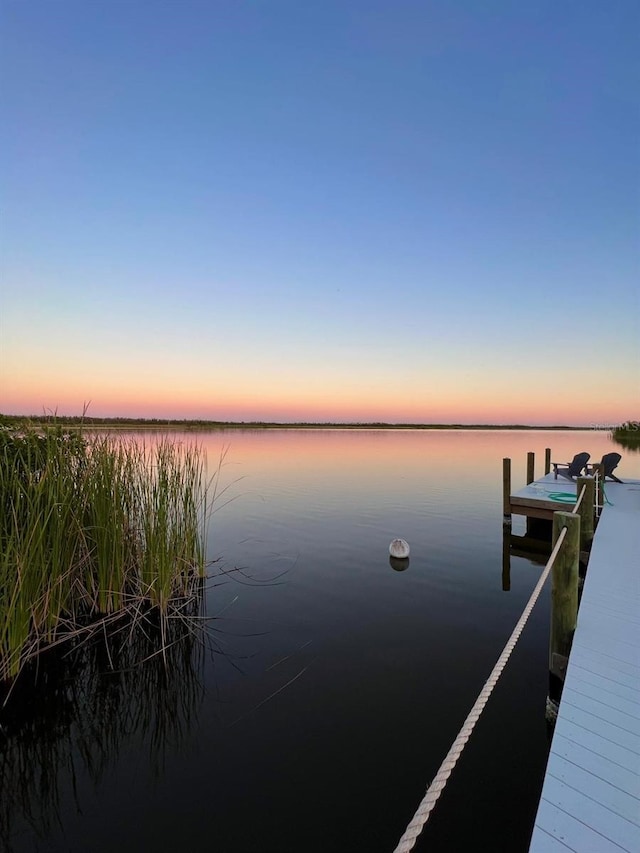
<point x="93" y="527"/>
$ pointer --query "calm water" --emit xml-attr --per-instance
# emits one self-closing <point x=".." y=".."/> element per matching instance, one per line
<point x="333" y="684"/>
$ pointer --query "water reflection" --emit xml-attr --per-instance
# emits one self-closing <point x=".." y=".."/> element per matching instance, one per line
<point x="399" y="564"/>
<point x="73" y="711"/>
<point x="630" y="444"/>
<point x="329" y="653"/>
<point x="535" y="547"/>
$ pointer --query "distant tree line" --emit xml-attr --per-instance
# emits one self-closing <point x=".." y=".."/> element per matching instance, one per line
<point x="191" y="423"/>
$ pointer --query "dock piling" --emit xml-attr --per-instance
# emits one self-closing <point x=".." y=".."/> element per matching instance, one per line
<point x="586" y="510"/>
<point x="547" y="460"/>
<point x="506" y="491"/>
<point x="564" y="593"/>
<point x="531" y="464"/>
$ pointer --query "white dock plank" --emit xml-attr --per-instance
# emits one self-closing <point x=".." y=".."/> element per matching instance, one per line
<point x="584" y="679"/>
<point x="605" y="749"/>
<point x="591" y="794"/>
<point x="597" y="717"/>
<point x="619" y="712"/>
<point x="564" y="832"/>
<point x="588" y="651"/>
<point x="592" y="785"/>
<point x="599" y="764"/>
<point x="597" y="819"/>
<point x="596" y="661"/>
<point x="576" y="717"/>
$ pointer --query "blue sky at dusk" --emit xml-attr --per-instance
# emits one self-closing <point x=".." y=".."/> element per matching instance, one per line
<point x="354" y="211"/>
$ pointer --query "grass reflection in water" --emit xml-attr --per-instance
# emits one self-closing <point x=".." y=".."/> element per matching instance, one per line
<point x="72" y="711"/>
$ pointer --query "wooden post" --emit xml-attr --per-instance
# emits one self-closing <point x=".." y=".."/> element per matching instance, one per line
<point x="547" y="460"/>
<point x="564" y="592"/>
<point x="586" y="511"/>
<point x="506" y="491"/>
<point x="531" y="463"/>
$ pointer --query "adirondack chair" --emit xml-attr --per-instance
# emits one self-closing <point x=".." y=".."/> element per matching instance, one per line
<point x="571" y="469"/>
<point x="609" y="462"/>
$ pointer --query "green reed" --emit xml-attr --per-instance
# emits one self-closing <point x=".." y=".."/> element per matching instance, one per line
<point x="91" y="527"/>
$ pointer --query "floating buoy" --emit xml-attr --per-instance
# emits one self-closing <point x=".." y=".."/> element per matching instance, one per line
<point x="399" y="549"/>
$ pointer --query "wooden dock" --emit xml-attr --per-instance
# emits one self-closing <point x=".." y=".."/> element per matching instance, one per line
<point x="590" y="800"/>
<point x="536" y="500"/>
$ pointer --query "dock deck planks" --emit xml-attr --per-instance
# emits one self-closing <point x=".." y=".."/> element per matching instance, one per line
<point x="590" y="800"/>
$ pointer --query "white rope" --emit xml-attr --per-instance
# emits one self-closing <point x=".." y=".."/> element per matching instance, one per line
<point x="434" y="790"/>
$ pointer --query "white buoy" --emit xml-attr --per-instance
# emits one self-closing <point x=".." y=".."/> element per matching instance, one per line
<point x="399" y="548"/>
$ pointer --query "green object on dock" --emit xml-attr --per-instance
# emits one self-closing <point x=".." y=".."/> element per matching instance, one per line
<point x="562" y="497"/>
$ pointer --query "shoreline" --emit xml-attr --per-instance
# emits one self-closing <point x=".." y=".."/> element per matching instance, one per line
<point x="197" y="424"/>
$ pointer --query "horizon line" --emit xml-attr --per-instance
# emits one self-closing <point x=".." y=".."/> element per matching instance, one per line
<point x="160" y="421"/>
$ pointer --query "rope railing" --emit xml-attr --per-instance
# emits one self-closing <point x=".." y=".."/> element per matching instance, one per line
<point x="599" y="491"/>
<point x="576" y="508"/>
<point x="417" y="823"/>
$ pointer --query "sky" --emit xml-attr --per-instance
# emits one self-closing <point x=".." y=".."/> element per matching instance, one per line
<point x="354" y="211"/>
